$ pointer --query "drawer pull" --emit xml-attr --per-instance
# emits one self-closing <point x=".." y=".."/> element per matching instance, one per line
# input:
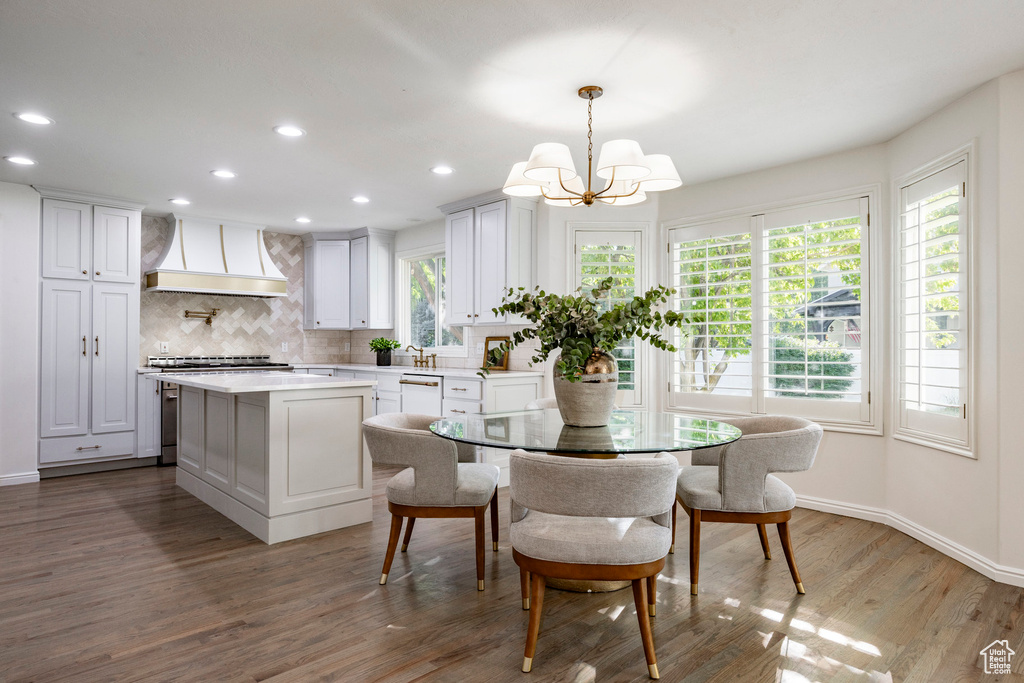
<point x="459" y="389"/>
<point x="419" y="384"/>
<point x="456" y="410"/>
<point x="83" y="346"/>
<point x="87" y="448"/>
<point x="97" y="346"/>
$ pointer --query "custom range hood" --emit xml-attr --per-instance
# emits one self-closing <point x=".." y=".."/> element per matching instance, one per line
<point x="207" y="256"/>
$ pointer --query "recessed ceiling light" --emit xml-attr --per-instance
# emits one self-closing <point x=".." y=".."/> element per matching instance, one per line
<point x="289" y="131"/>
<point x="302" y="219"/>
<point x="24" y="161"/>
<point x="37" y="119"/>
<point x="360" y="199"/>
<point x="222" y="173"/>
<point x="180" y="201"/>
<point x="442" y="170"/>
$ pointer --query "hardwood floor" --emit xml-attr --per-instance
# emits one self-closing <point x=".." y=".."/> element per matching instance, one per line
<point x="122" y="576"/>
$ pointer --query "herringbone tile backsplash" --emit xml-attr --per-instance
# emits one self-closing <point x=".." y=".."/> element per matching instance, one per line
<point x="244" y="326"/>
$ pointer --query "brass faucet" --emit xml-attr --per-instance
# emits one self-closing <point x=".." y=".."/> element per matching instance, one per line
<point x="420" y="362"/>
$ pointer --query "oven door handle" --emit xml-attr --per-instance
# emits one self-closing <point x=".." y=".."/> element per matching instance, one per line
<point x="171" y="397"/>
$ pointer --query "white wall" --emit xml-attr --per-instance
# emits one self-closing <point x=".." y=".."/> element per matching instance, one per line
<point x="19" y="333"/>
<point x="419" y="236"/>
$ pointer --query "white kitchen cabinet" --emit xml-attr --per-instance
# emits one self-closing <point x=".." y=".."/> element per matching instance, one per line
<point x="490" y="247"/>
<point x="147" y="421"/>
<point x="89" y="328"/>
<point x="349" y="280"/>
<point x="389" y="393"/>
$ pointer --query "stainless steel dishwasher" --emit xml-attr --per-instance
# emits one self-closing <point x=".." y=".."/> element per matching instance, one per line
<point x="421" y="394"/>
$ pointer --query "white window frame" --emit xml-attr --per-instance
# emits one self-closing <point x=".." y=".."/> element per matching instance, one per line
<point x="869" y="419"/>
<point x="646" y="262"/>
<point x="403" y="331"/>
<point x="901" y="430"/>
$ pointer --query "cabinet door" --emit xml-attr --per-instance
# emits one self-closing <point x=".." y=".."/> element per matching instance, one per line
<point x="331" y="285"/>
<point x="490" y="254"/>
<point x="64" y="371"/>
<point x="388" y="402"/>
<point x="382" y="283"/>
<point x="308" y="287"/>
<point x="459" y="275"/>
<point x="147" y="433"/>
<point x="360" y="283"/>
<point x="67" y="236"/>
<point x="115" y="250"/>
<point x="114" y="357"/>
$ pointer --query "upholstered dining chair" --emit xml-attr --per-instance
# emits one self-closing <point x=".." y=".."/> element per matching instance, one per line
<point x="542" y="404"/>
<point x="602" y="520"/>
<point x="436" y="483"/>
<point x="733" y="483"/>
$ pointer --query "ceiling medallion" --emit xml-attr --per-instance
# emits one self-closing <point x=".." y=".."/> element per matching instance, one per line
<point x="550" y="173"/>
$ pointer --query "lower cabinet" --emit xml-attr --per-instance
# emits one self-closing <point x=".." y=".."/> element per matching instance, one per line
<point x="147" y="430"/>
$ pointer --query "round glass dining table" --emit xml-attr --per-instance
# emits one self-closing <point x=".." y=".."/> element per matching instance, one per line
<point x="627" y="432"/>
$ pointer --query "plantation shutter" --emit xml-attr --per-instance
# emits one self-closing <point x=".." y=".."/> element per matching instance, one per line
<point x="711" y="267"/>
<point x="616" y="254"/>
<point x="933" y="342"/>
<point x="814" y="311"/>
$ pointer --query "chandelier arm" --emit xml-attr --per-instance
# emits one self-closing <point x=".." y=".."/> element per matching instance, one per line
<point x="563" y="187"/>
<point x="611" y="182"/>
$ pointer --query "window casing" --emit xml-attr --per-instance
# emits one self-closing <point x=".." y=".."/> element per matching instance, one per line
<point x="932" y="344"/>
<point x="779" y="311"/>
<point x="422" y="309"/>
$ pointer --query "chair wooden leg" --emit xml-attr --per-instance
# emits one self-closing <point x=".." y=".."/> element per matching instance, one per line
<point x="652" y="595"/>
<point x="537" y="603"/>
<point x="694" y="549"/>
<point x="494" y="521"/>
<point x="396" y="531"/>
<point x="524" y="586"/>
<point x="408" y="533"/>
<point x="640" y="598"/>
<point x="787" y="548"/>
<point x="762" y="533"/>
<point x="478" y="518"/>
<point x="672" y="548"/>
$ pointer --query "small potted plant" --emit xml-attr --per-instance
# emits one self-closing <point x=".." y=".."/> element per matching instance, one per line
<point x="584" y="331"/>
<point x="383" y="346"/>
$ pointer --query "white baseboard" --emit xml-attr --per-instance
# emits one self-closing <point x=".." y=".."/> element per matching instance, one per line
<point x="979" y="563"/>
<point x="23" y="478"/>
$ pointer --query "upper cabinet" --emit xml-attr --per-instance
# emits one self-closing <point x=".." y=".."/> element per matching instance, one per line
<point x="349" y="280"/>
<point x="90" y="242"/>
<point x="490" y="247"/>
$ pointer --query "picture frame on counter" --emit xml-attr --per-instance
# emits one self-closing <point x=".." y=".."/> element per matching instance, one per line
<point x="493" y="344"/>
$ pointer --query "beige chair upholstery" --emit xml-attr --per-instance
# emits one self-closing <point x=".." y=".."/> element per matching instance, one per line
<point x="434" y="484"/>
<point x="575" y="518"/>
<point x="733" y="483"/>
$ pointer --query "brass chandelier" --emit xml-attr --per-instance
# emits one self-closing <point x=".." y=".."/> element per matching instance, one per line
<point x="631" y="174"/>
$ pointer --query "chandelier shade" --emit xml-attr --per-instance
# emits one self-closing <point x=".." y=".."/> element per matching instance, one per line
<point x="621" y="160"/>
<point x="551" y="174"/>
<point x="549" y="161"/>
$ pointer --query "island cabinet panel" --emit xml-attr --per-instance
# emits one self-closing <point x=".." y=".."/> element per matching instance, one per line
<point x="190" y="429"/>
<point x="219" y="419"/>
<point x="251" y="425"/>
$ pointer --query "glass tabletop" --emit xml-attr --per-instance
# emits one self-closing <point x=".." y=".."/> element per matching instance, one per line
<point x="627" y="432"/>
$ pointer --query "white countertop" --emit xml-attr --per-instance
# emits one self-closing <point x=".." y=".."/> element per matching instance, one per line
<point x="251" y="382"/>
<point x="410" y="370"/>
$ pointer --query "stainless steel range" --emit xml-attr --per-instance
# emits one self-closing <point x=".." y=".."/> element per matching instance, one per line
<point x="203" y="364"/>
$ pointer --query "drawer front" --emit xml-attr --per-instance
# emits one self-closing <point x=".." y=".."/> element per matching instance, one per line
<point x="451" y="407"/>
<point x="389" y="382"/>
<point x="70" y="449"/>
<point x="463" y="389"/>
<point x="326" y="372"/>
<point x="344" y="374"/>
<point x="369" y="376"/>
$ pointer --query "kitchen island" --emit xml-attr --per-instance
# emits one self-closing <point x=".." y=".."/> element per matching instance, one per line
<point x="279" y="454"/>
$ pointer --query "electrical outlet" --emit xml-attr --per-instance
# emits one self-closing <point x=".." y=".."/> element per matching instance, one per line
<point x="284" y="347"/>
<point x="348" y="346"/>
<point x="479" y="347"/>
<point x="165" y="347"/>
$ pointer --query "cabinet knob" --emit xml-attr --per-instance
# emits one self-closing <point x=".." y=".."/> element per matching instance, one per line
<point x="85" y="272"/>
<point x="468" y="315"/>
<point x="317" y="322"/>
<point x="363" y="321"/>
<point x="475" y="315"/>
<point x="97" y="272"/>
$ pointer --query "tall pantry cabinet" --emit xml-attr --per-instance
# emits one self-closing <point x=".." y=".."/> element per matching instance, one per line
<point x="89" y="297"/>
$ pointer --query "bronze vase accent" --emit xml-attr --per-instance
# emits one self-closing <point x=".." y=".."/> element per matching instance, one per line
<point x="590" y="401"/>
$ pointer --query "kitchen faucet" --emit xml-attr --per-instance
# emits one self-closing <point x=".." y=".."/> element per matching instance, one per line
<point x="420" y="362"/>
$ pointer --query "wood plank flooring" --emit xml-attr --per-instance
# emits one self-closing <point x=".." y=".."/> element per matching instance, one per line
<point x="122" y="576"/>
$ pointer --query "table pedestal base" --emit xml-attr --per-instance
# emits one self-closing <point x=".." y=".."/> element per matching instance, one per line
<point x="584" y="586"/>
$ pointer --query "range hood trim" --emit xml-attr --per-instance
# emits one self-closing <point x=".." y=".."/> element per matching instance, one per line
<point x="248" y="271"/>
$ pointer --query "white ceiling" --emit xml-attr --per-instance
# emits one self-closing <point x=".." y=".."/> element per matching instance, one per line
<point x="149" y="97"/>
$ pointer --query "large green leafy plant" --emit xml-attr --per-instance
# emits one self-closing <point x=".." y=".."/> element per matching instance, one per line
<point x="578" y="323"/>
